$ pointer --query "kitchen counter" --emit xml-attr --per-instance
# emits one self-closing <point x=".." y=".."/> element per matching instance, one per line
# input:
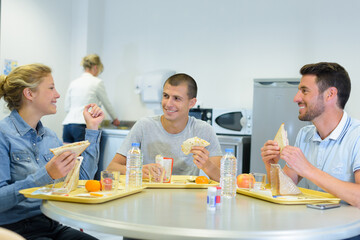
<point x="115" y="131"/>
<point x="111" y="139"/>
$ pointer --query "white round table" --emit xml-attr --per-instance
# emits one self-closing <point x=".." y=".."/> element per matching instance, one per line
<point x="182" y="214"/>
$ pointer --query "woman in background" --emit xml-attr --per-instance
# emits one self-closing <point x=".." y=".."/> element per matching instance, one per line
<point x="26" y="160"/>
<point x="83" y="90"/>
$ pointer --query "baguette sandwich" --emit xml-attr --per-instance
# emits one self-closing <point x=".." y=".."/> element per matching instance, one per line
<point x="77" y="148"/>
<point x="281" y="137"/>
<point x="191" y="142"/>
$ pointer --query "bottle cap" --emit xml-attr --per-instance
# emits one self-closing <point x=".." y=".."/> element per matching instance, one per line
<point x="135" y="144"/>
<point x="211" y="189"/>
<point x="229" y="150"/>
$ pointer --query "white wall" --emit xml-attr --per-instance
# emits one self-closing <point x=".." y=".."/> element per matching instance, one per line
<point x="39" y="31"/>
<point x="224" y="45"/>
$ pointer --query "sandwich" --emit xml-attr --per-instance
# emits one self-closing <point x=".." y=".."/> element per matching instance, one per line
<point x="191" y="142"/>
<point x="72" y="178"/>
<point x="281" y="137"/>
<point x="282" y="184"/>
<point x="77" y="148"/>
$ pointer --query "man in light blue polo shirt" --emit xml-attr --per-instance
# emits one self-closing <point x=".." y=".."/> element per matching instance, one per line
<point x="326" y="154"/>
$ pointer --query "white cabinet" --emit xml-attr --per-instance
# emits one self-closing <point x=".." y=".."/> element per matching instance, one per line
<point x="111" y="140"/>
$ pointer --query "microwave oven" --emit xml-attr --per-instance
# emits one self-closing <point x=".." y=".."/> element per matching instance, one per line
<point x="204" y="114"/>
<point x="232" y="121"/>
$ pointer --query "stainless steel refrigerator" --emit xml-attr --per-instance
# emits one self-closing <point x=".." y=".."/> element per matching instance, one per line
<point x="272" y="105"/>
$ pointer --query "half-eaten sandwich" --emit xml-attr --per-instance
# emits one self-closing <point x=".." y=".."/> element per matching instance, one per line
<point x="282" y="184"/>
<point x="77" y="148"/>
<point x="72" y="178"/>
<point x="281" y="137"/>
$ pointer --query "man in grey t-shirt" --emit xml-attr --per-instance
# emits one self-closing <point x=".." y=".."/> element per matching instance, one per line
<point x="164" y="134"/>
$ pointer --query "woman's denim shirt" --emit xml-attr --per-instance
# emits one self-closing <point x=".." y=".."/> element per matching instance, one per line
<point x="24" y="152"/>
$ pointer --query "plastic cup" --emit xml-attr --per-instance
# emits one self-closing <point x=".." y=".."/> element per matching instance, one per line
<point x="260" y="180"/>
<point x="109" y="180"/>
<point x="156" y="173"/>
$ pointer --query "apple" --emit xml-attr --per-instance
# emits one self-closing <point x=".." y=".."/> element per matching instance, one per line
<point x="244" y="180"/>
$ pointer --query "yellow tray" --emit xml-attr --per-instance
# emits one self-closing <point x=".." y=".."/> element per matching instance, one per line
<point x="308" y="196"/>
<point x="177" y="181"/>
<point x="71" y="197"/>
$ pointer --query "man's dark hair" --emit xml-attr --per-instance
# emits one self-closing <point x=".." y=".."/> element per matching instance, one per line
<point x="180" y="78"/>
<point x="330" y="75"/>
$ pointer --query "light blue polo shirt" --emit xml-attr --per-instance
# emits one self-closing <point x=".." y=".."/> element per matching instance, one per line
<point x="337" y="155"/>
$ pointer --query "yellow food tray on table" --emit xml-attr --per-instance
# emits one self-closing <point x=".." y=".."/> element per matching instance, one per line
<point x="81" y="195"/>
<point x="308" y="196"/>
<point x="177" y="181"/>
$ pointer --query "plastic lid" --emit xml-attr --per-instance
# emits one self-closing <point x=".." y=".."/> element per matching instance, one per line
<point x="228" y="150"/>
<point x="212" y="189"/>
<point x="135" y="144"/>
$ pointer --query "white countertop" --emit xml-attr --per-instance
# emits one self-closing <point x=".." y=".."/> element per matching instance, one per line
<point x="115" y="131"/>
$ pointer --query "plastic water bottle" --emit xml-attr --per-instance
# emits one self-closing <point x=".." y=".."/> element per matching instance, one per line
<point x="134" y="167"/>
<point x="228" y="171"/>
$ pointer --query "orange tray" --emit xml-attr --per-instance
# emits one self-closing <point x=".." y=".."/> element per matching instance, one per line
<point x="308" y="196"/>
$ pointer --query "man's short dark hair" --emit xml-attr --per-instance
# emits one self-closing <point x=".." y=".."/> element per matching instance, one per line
<point x="181" y="78"/>
<point x="330" y="75"/>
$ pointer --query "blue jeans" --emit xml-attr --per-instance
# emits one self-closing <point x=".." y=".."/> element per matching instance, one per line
<point x="74" y="133"/>
<point x="42" y="227"/>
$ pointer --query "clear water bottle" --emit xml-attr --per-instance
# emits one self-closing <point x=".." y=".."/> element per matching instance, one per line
<point x="228" y="171"/>
<point x="134" y="167"/>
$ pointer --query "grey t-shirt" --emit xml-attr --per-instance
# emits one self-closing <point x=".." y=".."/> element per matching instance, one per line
<point x="154" y="140"/>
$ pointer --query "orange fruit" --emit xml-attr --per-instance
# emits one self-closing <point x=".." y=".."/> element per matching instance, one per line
<point x="201" y="180"/>
<point x="244" y="180"/>
<point x="92" y="185"/>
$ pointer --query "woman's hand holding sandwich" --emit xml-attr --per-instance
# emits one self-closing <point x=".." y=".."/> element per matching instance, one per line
<point x="60" y="166"/>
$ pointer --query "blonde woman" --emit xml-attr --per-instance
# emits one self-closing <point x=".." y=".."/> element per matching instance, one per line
<point x="83" y="90"/>
<point x="26" y="160"/>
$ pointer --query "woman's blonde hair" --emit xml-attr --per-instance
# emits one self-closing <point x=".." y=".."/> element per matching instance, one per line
<point x="92" y="60"/>
<point x="26" y="76"/>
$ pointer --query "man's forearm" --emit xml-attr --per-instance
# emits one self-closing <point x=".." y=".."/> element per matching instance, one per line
<point x="114" y="166"/>
<point x="347" y="191"/>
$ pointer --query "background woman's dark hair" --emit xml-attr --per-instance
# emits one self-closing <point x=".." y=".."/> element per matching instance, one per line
<point x="330" y="75"/>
